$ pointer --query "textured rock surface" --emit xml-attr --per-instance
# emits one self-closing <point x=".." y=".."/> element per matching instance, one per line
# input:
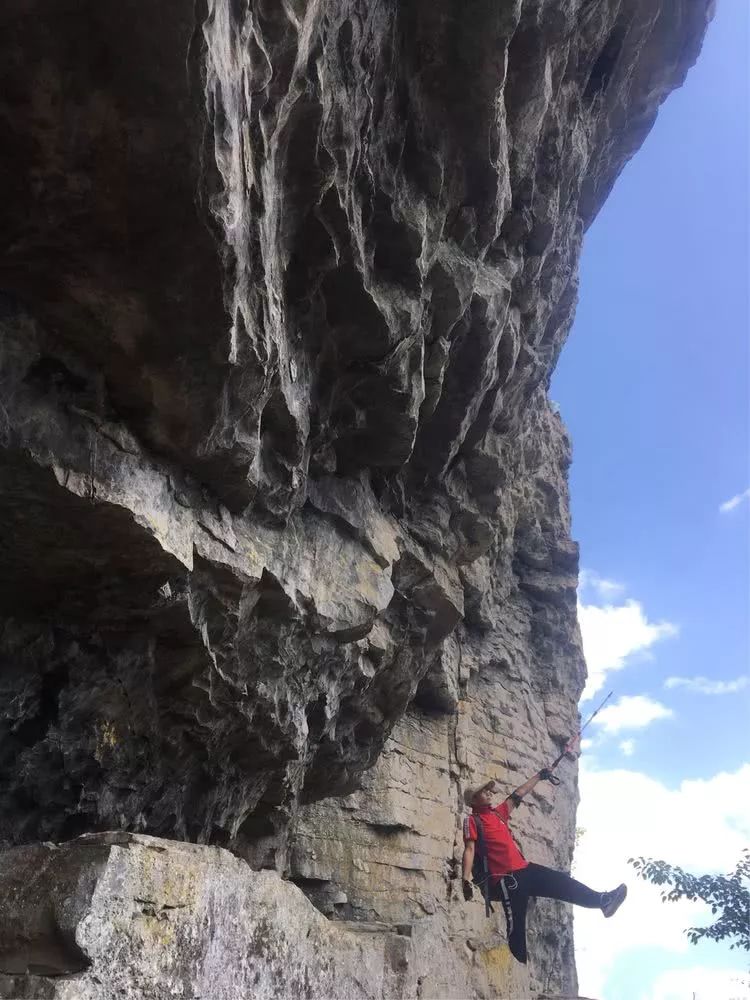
<point x="281" y="289"/>
<point x="122" y="916"/>
<point x="497" y="704"/>
<point x="130" y="916"/>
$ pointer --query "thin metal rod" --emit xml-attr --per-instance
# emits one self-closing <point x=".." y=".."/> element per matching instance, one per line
<point x="594" y="714"/>
<point x="577" y="736"/>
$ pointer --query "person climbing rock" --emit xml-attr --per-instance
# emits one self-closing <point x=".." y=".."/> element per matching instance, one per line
<point x="493" y="860"/>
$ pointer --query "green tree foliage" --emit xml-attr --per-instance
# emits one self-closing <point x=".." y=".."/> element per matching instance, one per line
<point x="727" y="895"/>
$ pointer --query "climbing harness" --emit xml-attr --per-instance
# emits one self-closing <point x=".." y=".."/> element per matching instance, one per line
<point x="553" y="780"/>
<point x="508" y="884"/>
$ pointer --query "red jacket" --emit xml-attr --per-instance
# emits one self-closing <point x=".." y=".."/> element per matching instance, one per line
<point x="503" y="855"/>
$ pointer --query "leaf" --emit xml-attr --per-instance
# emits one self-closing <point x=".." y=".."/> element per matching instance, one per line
<point x="727" y="895"/>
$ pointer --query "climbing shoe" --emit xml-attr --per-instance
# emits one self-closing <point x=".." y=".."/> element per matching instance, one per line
<point x="611" y="901"/>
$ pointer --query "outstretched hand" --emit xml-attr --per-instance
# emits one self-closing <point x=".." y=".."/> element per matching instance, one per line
<point x="468" y="890"/>
<point x="546" y="775"/>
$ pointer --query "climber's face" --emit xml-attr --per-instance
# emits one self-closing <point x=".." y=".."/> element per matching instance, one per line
<point x="485" y="795"/>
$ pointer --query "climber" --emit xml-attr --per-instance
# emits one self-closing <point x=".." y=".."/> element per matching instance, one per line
<point x="504" y="875"/>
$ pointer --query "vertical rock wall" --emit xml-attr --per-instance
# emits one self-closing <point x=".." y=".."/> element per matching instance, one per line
<point x="282" y="499"/>
<point x="498" y="703"/>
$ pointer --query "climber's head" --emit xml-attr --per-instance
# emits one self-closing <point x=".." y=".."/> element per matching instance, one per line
<point x="475" y="798"/>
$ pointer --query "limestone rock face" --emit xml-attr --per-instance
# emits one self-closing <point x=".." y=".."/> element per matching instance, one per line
<point x="117" y="915"/>
<point x="496" y="704"/>
<point x="281" y="288"/>
<point x="131" y="916"/>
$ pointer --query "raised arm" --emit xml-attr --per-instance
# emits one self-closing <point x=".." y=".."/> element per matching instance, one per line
<point x="514" y="799"/>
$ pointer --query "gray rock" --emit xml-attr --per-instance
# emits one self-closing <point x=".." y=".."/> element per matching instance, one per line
<point x="118" y="915"/>
<point x="283" y="505"/>
<point x="498" y="701"/>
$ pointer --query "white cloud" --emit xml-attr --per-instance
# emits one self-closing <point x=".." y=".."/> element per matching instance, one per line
<point x="586" y="744"/>
<point x="628" y="747"/>
<point x="631" y="712"/>
<point x="734" y="501"/>
<point x="701" y="825"/>
<point x="612" y="635"/>
<point x="605" y="589"/>
<point x="702" y="685"/>
<point x="701" y="983"/>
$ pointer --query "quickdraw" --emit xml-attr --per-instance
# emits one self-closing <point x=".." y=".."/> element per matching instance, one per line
<point x="568" y="749"/>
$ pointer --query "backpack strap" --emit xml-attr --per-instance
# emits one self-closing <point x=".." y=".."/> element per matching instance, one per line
<point x="484" y="882"/>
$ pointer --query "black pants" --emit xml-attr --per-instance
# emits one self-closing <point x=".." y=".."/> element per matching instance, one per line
<point x="514" y="892"/>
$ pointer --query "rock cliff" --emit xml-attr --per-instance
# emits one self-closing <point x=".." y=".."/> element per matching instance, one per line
<point x="283" y="506"/>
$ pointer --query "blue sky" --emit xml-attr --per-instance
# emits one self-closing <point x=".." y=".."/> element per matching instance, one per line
<point x="654" y="387"/>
